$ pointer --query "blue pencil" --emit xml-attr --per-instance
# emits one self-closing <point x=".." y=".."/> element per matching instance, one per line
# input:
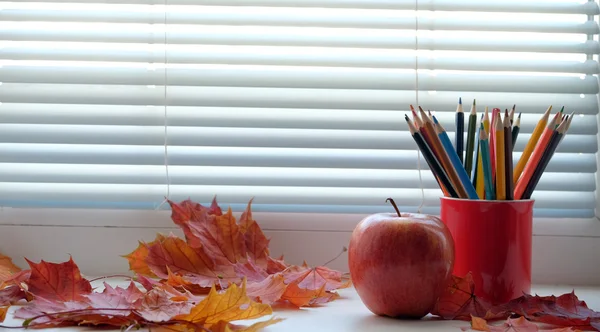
<point x="490" y="192"/>
<point x="462" y="173"/>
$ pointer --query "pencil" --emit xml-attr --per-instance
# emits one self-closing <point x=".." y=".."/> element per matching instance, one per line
<point x="508" y="163"/>
<point x="476" y="160"/>
<point x="534" y="159"/>
<point x="535" y="136"/>
<point x="556" y="138"/>
<point x="486" y="165"/>
<point x="499" y="154"/>
<point x="515" y="131"/>
<point x="471" y="138"/>
<point x="495" y="113"/>
<point x="460" y="128"/>
<point x="479" y="176"/>
<point x="432" y="161"/>
<point x="453" y="156"/>
<point x="512" y="114"/>
<point x="486" y="121"/>
<point x="443" y="155"/>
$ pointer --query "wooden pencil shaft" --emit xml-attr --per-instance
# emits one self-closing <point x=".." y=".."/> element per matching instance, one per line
<point x="528" y="150"/>
<point x="508" y="165"/>
<point x="500" y="163"/>
<point x="544" y="161"/>
<point x="487" y="169"/>
<point x="470" y="143"/>
<point x="434" y="165"/>
<point x="459" y="137"/>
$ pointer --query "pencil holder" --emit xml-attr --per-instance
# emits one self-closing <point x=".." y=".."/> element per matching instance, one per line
<point x="492" y="241"/>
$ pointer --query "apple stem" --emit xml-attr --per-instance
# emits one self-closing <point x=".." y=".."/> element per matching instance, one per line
<point x="389" y="199"/>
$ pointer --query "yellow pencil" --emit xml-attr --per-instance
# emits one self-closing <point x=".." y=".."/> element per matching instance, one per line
<point x="537" y="132"/>
<point x="500" y="167"/>
<point x="486" y="121"/>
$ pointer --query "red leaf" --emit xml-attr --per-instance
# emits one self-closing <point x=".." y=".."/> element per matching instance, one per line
<point x="11" y="295"/>
<point x="186" y="212"/>
<point x="57" y="282"/>
<point x="17" y="278"/>
<point x="275" y="265"/>
<point x="250" y="271"/>
<point x="157" y="306"/>
<point x="315" y="278"/>
<point x="458" y="301"/>
<point x="267" y="291"/>
<point x="115" y="298"/>
<point x="257" y="244"/>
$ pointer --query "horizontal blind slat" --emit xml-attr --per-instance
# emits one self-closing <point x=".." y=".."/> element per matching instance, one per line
<point x="268" y="195"/>
<point x="251" y="176"/>
<point x="359" y="38"/>
<point x="127" y="115"/>
<point x="242" y="137"/>
<point x="242" y="55"/>
<point x="554" y="7"/>
<point x="535" y="103"/>
<point x="251" y="157"/>
<point x="320" y="78"/>
<point x="295" y="17"/>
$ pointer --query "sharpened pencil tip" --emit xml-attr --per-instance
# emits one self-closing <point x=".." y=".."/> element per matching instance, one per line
<point x="435" y="120"/>
<point x="460" y="100"/>
<point x="474" y="103"/>
<point x="562" y="109"/>
<point x="406" y="117"/>
<point x="519" y="115"/>
<point x="514" y="105"/>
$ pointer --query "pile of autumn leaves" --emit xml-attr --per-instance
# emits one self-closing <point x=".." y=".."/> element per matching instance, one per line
<point x="221" y="272"/>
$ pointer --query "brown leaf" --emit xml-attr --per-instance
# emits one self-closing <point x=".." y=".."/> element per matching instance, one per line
<point x="57" y="282"/>
<point x="458" y="300"/>
<point x="7" y="268"/>
<point x="231" y="305"/>
<point x="315" y="278"/>
<point x="191" y="263"/>
<point x="269" y="290"/>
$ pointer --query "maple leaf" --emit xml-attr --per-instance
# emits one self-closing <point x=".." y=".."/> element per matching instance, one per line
<point x="57" y="281"/>
<point x="17" y="278"/>
<point x="233" y="304"/>
<point x="257" y="244"/>
<point x="275" y="265"/>
<point x="137" y="258"/>
<point x="315" y="278"/>
<point x="224" y="326"/>
<point x="193" y="264"/>
<point x="115" y="298"/>
<point x="11" y="295"/>
<point x="269" y="290"/>
<point x="147" y="283"/>
<point x="512" y="325"/>
<point x="7" y="268"/>
<point x="3" y="311"/>
<point x="458" y="300"/>
<point x="157" y="306"/>
<point x="187" y="212"/>
<point x="250" y="270"/>
<point x="176" y="280"/>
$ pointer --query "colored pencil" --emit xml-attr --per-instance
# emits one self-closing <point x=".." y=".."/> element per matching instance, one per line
<point x="499" y="155"/>
<point x="495" y="113"/>
<point x="556" y="138"/>
<point x="453" y="156"/>
<point x="479" y="176"/>
<point x="434" y="164"/>
<point x="443" y="156"/>
<point x="460" y="130"/>
<point x="486" y="121"/>
<point x="471" y="138"/>
<point x="477" y="159"/>
<point x="531" y="144"/>
<point x="515" y="131"/>
<point x="508" y="162"/>
<point x="486" y="165"/>
<point x="534" y="159"/>
<point x="512" y="114"/>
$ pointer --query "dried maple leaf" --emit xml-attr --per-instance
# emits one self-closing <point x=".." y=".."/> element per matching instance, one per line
<point x="233" y="304"/>
<point x="9" y="295"/>
<point x="7" y="268"/>
<point x="17" y="278"/>
<point x="276" y="265"/>
<point x="269" y="290"/>
<point x="115" y="298"/>
<point x="224" y="326"/>
<point x="187" y="212"/>
<point x="315" y="278"/>
<point x="3" y="311"/>
<point x="250" y="270"/>
<point x="58" y="282"/>
<point x="193" y="264"/>
<point x="257" y="244"/>
<point x="512" y="325"/>
<point x="157" y="306"/>
<point x="300" y="297"/>
<point x="458" y="300"/>
<point x="177" y="281"/>
<point x="138" y="258"/>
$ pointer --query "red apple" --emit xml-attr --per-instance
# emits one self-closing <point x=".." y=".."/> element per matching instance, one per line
<point x="400" y="263"/>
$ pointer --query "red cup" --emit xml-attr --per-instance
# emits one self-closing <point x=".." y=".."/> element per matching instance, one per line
<point x="492" y="241"/>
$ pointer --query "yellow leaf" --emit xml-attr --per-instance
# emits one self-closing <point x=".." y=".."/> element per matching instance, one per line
<point x="3" y="311"/>
<point x="7" y="268"/>
<point x="224" y="326"/>
<point x="233" y="304"/>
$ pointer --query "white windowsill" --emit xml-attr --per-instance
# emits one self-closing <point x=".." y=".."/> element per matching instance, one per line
<point x="348" y="314"/>
<point x="565" y="251"/>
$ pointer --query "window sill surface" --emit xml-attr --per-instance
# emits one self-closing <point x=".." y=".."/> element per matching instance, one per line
<point x="348" y="314"/>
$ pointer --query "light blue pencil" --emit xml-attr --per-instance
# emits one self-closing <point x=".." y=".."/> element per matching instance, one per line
<point x="490" y="192"/>
<point x="460" y="170"/>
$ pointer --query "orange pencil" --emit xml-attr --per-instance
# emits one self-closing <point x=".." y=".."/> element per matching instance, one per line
<point x="534" y="160"/>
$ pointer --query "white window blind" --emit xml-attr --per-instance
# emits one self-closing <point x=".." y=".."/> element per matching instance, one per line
<point x="297" y="103"/>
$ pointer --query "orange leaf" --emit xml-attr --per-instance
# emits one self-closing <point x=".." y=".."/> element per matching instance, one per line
<point x="257" y="244"/>
<point x="7" y="268"/>
<point x="187" y="212"/>
<point x="191" y="263"/>
<point x="57" y="282"/>
<point x="233" y="304"/>
<point x="3" y="311"/>
<point x="137" y="258"/>
<point x="178" y="281"/>
<point x="268" y="290"/>
<point x="300" y="297"/>
<point x="458" y="300"/>
<point x="224" y="326"/>
<point x="479" y="324"/>
<point x="315" y="278"/>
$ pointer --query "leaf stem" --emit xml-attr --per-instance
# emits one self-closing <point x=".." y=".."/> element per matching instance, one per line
<point x="112" y="276"/>
<point x="389" y="199"/>
<point x="344" y="249"/>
